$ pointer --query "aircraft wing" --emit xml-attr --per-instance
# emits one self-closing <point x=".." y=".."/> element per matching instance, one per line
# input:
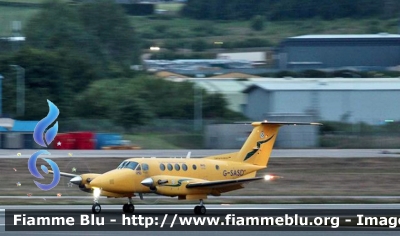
<point x="221" y="183"/>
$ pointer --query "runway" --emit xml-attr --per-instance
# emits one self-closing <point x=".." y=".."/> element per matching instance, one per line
<point x="213" y="197"/>
<point x="211" y="209"/>
<point x="276" y="153"/>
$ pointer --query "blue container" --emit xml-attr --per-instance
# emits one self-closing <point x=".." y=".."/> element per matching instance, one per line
<point x="104" y="140"/>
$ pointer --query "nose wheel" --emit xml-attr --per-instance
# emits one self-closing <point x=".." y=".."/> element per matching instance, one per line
<point x="128" y="207"/>
<point x="200" y="209"/>
<point x="96" y="208"/>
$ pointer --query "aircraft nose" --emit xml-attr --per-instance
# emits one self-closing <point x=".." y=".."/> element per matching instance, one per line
<point x="115" y="181"/>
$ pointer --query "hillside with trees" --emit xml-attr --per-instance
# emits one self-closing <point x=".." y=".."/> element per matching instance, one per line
<point x="276" y="10"/>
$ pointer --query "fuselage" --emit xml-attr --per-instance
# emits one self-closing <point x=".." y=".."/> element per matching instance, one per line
<point x="168" y="172"/>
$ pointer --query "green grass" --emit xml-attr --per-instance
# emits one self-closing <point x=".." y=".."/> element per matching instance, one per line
<point x="174" y="27"/>
<point x="232" y="31"/>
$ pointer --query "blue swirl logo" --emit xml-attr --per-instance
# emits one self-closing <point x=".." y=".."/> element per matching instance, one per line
<point x="44" y="139"/>
<point x="44" y="123"/>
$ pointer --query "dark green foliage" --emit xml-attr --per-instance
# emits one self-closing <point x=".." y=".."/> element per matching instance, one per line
<point x="139" y="9"/>
<point x="289" y="9"/>
<point x="199" y="45"/>
<point x="132" y="102"/>
<point x="99" y="32"/>
<point x="53" y="75"/>
<point x="257" y="23"/>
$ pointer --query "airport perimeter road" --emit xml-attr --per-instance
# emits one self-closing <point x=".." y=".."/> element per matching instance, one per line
<point x="276" y="153"/>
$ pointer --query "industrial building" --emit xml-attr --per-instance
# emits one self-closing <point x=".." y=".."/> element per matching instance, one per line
<point x="361" y="52"/>
<point x="369" y="100"/>
<point x="350" y="100"/>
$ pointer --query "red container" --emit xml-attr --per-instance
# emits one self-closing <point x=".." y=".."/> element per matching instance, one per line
<point x="85" y="144"/>
<point x="84" y="140"/>
<point x="83" y="135"/>
<point x="64" y="141"/>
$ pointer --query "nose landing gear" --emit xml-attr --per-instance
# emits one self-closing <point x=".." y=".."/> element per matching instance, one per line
<point x="96" y="208"/>
<point x="200" y="209"/>
<point x="128" y="207"/>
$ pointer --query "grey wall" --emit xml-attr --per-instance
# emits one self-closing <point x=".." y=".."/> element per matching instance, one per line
<point x="259" y="103"/>
<point x="226" y="136"/>
<point x="372" y="107"/>
<point x="299" y="136"/>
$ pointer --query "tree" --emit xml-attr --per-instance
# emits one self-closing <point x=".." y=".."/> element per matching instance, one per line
<point x="99" y="32"/>
<point x="108" y="24"/>
<point x="257" y="23"/>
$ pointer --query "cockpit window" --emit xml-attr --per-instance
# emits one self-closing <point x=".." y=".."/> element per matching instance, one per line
<point x="122" y="164"/>
<point x="128" y="164"/>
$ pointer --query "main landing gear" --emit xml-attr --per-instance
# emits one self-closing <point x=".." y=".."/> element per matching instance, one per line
<point x="200" y="209"/>
<point x="128" y="207"/>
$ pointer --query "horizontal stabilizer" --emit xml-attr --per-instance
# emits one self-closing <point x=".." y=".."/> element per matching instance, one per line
<point x="221" y="183"/>
<point x="279" y="123"/>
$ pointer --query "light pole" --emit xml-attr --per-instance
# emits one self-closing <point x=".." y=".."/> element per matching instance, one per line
<point x="20" y="89"/>
<point x="1" y="97"/>
<point x="198" y="107"/>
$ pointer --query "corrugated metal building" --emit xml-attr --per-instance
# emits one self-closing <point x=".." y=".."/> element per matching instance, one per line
<point x="363" y="51"/>
<point x="353" y="100"/>
<point x="19" y="136"/>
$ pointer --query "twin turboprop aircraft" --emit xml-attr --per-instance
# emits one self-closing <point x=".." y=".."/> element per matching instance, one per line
<point x="185" y="178"/>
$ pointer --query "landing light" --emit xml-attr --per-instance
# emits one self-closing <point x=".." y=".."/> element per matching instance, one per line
<point x="268" y="177"/>
<point x="96" y="192"/>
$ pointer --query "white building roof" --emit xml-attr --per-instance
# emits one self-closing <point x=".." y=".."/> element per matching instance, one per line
<point x="326" y="84"/>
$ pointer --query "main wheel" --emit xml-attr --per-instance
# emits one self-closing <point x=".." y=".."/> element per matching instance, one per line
<point x="130" y="208"/>
<point x="197" y="210"/>
<point x="202" y="210"/>
<point x="125" y="208"/>
<point x="96" y="208"/>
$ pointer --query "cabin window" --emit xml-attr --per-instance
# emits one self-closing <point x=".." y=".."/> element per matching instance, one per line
<point x="184" y="167"/>
<point x="162" y="167"/>
<point x="217" y="167"/>
<point x="169" y="166"/>
<point x="177" y="167"/>
<point x="145" y="167"/>
<point x="194" y="167"/>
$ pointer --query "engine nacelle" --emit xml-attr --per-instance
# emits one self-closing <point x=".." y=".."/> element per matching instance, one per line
<point x="83" y="181"/>
<point x="173" y="185"/>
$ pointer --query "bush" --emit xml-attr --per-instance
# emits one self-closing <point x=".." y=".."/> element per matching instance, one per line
<point x="257" y="23"/>
<point x="199" y="45"/>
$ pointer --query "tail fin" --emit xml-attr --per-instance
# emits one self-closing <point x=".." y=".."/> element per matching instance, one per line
<point x="258" y="146"/>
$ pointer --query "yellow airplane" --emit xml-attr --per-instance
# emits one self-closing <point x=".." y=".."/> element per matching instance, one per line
<point x="186" y="178"/>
